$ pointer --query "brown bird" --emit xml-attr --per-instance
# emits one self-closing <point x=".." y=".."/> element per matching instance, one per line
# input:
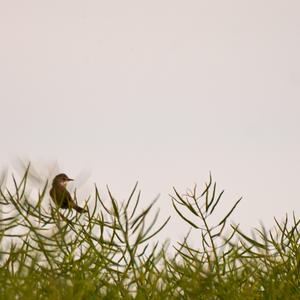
<point x="61" y="196"/>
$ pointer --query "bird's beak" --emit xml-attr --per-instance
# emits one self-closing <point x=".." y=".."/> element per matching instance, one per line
<point x="69" y="179"/>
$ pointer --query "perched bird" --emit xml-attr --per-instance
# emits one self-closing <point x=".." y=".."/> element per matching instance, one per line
<point x="60" y="194"/>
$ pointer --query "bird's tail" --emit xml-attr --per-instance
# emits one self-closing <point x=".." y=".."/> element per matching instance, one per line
<point x="79" y="209"/>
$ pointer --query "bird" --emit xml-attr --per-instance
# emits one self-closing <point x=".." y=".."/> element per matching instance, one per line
<point x="61" y="196"/>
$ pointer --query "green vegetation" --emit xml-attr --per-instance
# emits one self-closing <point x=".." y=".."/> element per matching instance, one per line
<point x="109" y="253"/>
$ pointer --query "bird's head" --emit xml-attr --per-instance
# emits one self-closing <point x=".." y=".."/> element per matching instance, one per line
<point x="61" y="179"/>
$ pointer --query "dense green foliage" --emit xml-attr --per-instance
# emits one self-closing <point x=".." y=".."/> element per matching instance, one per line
<point x="109" y="254"/>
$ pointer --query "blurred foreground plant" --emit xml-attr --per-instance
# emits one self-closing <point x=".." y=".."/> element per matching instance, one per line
<point x="109" y="252"/>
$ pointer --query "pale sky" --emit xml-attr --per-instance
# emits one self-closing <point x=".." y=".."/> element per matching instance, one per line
<point x="161" y="92"/>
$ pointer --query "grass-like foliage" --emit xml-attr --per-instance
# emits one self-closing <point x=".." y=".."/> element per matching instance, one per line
<point x="109" y="253"/>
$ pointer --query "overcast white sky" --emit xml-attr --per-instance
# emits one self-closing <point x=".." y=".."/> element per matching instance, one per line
<point x="158" y="91"/>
